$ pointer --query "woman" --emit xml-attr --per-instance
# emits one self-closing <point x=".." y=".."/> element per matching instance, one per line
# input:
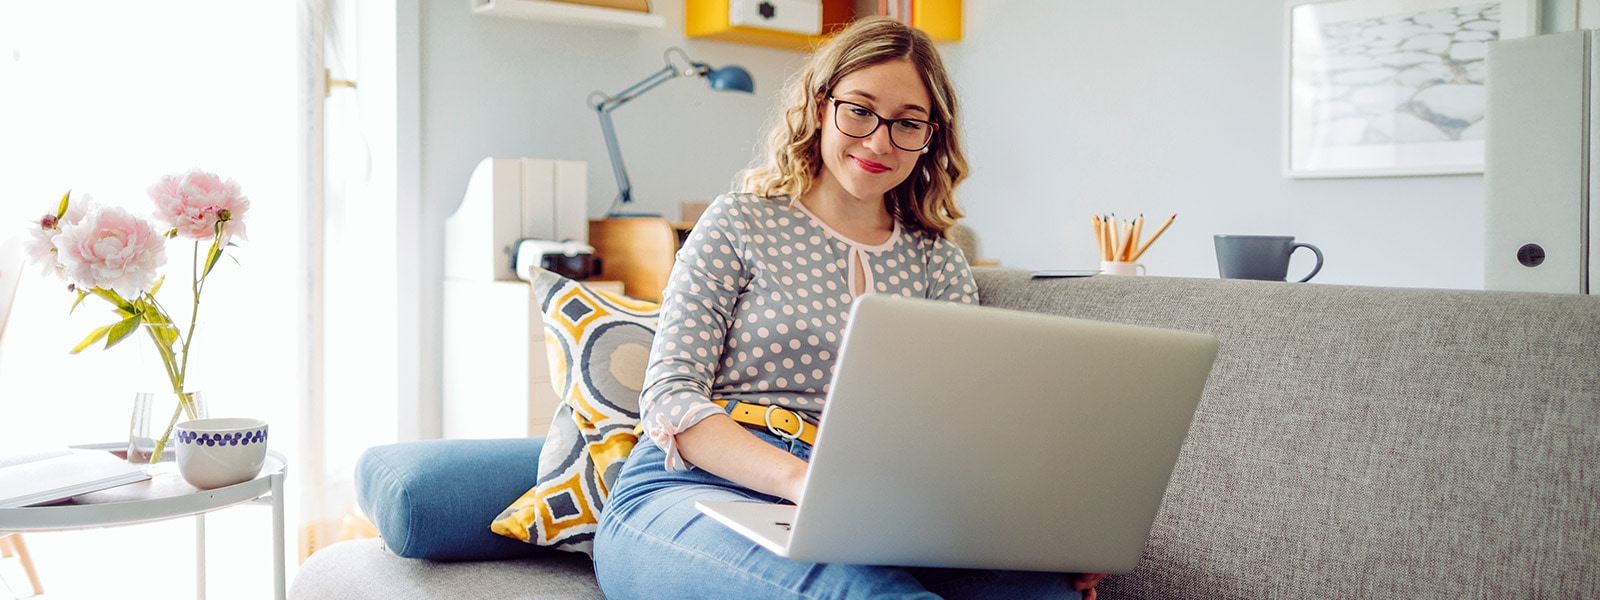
<point x="855" y="197"/>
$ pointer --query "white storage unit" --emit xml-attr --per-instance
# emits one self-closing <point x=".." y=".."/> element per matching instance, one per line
<point x="496" y="380"/>
<point x="1540" y="166"/>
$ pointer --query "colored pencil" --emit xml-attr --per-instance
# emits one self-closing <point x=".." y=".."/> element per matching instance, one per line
<point x="1159" y="231"/>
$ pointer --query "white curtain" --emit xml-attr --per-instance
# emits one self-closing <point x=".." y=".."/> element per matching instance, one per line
<point x="355" y="377"/>
<point x="104" y="97"/>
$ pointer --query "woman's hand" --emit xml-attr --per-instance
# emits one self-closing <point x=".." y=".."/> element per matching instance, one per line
<point x="1086" y="582"/>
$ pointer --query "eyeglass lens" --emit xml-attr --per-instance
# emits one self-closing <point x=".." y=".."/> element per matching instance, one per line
<point x="858" y="121"/>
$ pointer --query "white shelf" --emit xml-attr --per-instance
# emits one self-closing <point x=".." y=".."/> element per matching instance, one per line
<point x="565" y="12"/>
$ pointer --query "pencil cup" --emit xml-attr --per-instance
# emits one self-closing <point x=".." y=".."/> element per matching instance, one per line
<point x="1119" y="267"/>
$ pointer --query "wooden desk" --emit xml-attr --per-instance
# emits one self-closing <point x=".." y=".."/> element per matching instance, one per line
<point x="638" y="251"/>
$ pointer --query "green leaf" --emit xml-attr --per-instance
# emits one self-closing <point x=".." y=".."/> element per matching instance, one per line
<point x="211" y="259"/>
<point x="62" y="211"/>
<point x="81" y="295"/>
<point x="113" y="297"/>
<point x="157" y="287"/>
<point x="123" y="329"/>
<point x="94" y="336"/>
<point x="166" y="332"/>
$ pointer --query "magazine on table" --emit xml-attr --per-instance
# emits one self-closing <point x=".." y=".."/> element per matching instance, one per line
<point x="44" y="475"/>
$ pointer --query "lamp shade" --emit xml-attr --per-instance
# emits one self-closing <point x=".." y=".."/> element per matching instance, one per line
<point x="731" y="78"/>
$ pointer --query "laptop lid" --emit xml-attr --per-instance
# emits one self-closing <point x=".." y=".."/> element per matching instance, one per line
<point x="966" y="436"/>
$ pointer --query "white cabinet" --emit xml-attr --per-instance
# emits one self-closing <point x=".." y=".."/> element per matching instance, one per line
<point x="1542" y="164"/>
<point x="496" y="379"/>
<point x="496" y="383"/>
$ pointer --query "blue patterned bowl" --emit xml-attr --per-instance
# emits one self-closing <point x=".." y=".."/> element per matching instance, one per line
<point x="214" y="453"/>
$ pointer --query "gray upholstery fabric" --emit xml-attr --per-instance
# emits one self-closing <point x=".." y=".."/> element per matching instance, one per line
<point x="365" y="570"/>
<point x="1367" y="442"/>
<point x="1352" y="442"/>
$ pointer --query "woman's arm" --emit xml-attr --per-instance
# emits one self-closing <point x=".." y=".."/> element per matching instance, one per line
<point x="949" y="277"/>
<point x="697" y="312"/>
<point x="725" y="448"/>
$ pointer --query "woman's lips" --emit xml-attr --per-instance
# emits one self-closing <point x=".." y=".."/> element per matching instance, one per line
<point x="869" y="166"/>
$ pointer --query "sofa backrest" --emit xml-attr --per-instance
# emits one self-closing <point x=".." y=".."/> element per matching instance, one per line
<point x="1366" y="442"/>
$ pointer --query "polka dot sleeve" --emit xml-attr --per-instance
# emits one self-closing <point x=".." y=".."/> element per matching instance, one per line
<point x="951" y="278"/>
<point x="696" y="314"/>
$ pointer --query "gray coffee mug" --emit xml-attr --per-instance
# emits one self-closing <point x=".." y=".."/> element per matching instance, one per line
<point x="1264" y="257"/>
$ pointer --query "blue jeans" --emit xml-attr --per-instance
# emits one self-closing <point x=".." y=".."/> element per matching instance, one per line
<point x="653" y="543"/>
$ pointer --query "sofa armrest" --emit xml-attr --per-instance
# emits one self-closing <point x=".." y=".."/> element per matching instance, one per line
<point x="434" y="499"/>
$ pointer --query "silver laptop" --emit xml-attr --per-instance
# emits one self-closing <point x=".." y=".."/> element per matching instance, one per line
<point x="965" y="436"/>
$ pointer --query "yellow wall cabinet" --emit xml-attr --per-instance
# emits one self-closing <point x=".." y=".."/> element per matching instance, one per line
<point x="709" y="19"/>
<point x="941" y="19"/>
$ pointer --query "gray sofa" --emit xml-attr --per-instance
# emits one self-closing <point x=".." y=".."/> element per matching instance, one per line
<point x="1352" y="442"/>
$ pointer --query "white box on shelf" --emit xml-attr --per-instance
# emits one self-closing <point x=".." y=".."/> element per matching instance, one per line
<point x="569" y="13"/>
<point x="794" y="16"/>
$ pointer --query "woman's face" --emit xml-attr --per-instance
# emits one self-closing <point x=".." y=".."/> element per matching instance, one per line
<point x="867" y="168"/>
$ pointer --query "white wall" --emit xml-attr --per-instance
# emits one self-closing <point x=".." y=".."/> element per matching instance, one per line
<point x="501" y="87"/>
<point x="1079" y="108"/>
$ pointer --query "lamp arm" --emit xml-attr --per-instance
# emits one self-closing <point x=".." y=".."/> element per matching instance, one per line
<point x="603" y="105"/>
<point x="624" y="187"/>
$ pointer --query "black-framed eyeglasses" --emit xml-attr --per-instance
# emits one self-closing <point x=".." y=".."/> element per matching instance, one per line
<point x="857" y="121"/>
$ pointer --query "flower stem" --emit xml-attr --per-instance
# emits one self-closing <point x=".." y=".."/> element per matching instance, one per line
<point x="161" y="444"/>
<point x="167" y="359"/>
<point x="177" y="366"/>
<point x="194" y="314"/>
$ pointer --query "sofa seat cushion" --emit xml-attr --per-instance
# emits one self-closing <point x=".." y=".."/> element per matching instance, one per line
<point x="365" y="569"/>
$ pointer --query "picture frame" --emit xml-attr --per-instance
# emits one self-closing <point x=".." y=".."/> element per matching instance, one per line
<point x="1383" y="88"/>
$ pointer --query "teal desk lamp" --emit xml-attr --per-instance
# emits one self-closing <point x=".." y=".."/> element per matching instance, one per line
<point x="729" y="78"/>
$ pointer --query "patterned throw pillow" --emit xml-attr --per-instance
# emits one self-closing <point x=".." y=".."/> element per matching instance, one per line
<point x="598" y="344"/>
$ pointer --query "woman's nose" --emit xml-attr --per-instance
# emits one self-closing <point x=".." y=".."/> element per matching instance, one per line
<point x="879" y="141"/>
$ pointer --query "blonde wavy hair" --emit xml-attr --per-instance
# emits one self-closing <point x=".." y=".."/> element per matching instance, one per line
<point x="926" y="199"/>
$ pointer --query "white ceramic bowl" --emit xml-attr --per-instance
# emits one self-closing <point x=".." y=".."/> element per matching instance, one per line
<point x="214" y="453"/>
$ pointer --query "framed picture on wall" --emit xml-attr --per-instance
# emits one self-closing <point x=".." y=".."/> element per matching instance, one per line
<point x="1391" y="87"/>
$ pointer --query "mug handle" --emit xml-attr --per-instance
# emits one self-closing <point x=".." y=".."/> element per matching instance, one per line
<point x="1319" y="260"/>
<point x="1139" y="268"/>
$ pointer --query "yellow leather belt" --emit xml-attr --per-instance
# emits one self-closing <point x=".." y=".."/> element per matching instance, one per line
<point x="775" y="419"/>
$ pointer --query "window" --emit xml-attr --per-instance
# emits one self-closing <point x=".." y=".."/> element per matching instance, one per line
<point x="104" y="97"/>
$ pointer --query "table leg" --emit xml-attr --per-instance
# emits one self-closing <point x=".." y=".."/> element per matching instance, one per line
<point x="277" y="537"/>
<point x="200" y="556"/>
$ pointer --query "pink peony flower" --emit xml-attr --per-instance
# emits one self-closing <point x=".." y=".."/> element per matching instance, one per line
<point x="111" y="249"/>
<point x="190" y="204"/>
<point x="40" y="249"/>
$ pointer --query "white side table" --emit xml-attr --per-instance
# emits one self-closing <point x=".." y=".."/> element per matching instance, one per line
<point x="164" y="496"/>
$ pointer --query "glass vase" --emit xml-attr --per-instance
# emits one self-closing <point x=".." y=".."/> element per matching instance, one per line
<point x="154" y="414"/>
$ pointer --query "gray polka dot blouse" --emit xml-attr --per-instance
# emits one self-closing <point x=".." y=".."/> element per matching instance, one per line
<point x="755" y="309"/>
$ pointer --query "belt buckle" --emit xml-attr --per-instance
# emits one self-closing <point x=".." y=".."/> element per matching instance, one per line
<point x="767" y="416"/>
